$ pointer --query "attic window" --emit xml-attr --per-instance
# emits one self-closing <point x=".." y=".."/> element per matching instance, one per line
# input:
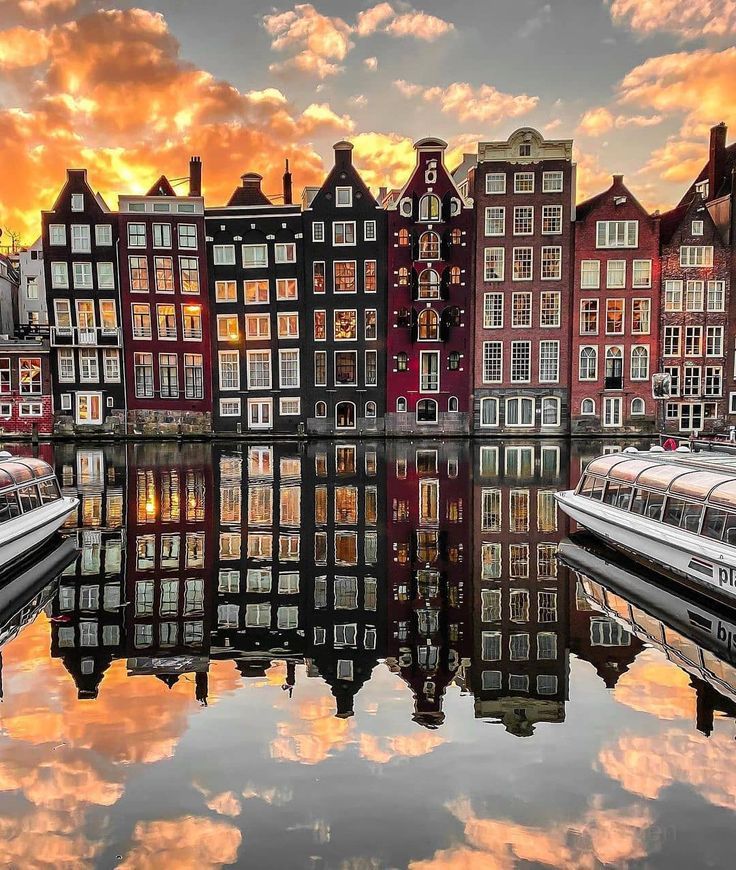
<point x="161" y="207"/>
<point x="77" y="202"/>
<point x="703" y="188"/>
<point x="136" y="206"/>
<point x="185" y="208"/>
<point x="343" y="196"/>
<point x="697" y="229"/>
<point x="525" y="149"/>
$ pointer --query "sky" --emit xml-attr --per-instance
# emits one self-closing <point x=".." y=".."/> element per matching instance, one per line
<point x="131" y="90"/>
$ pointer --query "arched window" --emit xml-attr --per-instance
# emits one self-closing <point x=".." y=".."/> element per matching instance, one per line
<point x="404" y="237"/>
<point x="345" y="415"/>
<point x="520" y="411"/>
<point x="550" y="411"/>
<point x="429" y="207"/>
<point x="638" y="406"/>
<point x="426" y="411"/>
<point x="639" y="363"/>
<point x="429" y="325"/>
<point x="452" y="405"/>
<point x="402" y="362"/>
<point x="429" y="284"/>
<point x="588" y="364"/>
<point x="587" y="406"/>
<point x="401" y="405"/>
<point x="452" y="315"/>
<point x="489" y="412"/>
<point x="403" y="317"/>
<point x="320" y="409"/>
<point x="456" y="237"/>
<point x="455" y="275"/>
<point x="429" y="246"/>
<point x="403" y="276"/>
<point x="453" y="361"/>
<point x="370" y="409"/>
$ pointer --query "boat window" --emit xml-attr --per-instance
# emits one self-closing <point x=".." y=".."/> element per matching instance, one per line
<point x="586" y="485"/>
<point x="618" y="495"/>
<point x="49" y="490"/>
<point x="5" y="478"/>
<point x="683" y="514"/>
<point x="673" y="512"/>
<point x="19" y="472"/>
<point x="720" y="525"/>
<point x="37" y="466"/>
<point x="691" y="517"/>
<point x="593" y="487"/>
<point x="648" y="504"/>
<point x="29" y="498"/>
<point x="9" y="507"/>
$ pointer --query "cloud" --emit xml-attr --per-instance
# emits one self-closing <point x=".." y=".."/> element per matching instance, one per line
<point x="321" y="42"/>
<point x="419" y="25"/>
<point x="319" y="116"/>
<point x="676" y="161"/>
<point x="21" y="47"/>
<point x="599" y="120"/>
<point x="592" y="178"/>
<point x="371" y="63"/>
<point x="691" y="20"/>
<point x="536" y="22"/>
<point x="468" y="103"/>
<point x="39" y="9"/>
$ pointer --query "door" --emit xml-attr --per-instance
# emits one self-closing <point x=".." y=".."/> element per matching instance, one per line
<point x="259" y="413"/>
<point x="612" y="411"/>
<point x="89" y="409"/>
<point x="345" y="415"/>
<point x="614" y="369"/>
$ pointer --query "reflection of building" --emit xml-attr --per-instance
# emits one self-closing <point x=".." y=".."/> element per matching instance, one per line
<point x="520" y="619"/>
<point x="428" y="544"/>
<point x="88" y="621"/>
<point x="170" y="556"/>
<point x="344" y="527"/>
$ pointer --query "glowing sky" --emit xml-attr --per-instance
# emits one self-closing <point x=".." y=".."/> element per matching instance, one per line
<point x="131" y="90"/>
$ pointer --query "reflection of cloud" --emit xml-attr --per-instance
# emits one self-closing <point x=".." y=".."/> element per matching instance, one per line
<point x="315" y="736"/>
<point x="45" y="839"/>
<point x="276" y="796"/>
<point x="225" y="803"/>
<point x="646" y="765"/>
<point x="653" y="685"/>
<point x="188" y="842"/>
<point x="384" y="749"/>
<point x="602" y="836"/>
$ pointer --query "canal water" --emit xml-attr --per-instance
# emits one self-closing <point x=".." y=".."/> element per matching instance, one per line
<point x="354" y="655"/>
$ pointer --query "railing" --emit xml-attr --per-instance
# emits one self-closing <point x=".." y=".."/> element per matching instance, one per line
<point x="84" y="336"/>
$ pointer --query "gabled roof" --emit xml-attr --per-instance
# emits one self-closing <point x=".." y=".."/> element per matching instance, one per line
<point x="671" y="220"/>
<point x="617" y="188"/>
<point x="347" y="167"/>
<point x="724" y="183"/>
<point x="162" y="188"/>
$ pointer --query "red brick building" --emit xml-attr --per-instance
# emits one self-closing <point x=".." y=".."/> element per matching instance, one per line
<point x="25" y="387"/>
<point x="524" y="194"/>
<point x="164" y="301"/>
<point x="615" y="313"/>
<point x="430" y="257"/>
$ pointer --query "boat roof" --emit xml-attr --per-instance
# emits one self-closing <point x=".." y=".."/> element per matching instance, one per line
<point x="17" y="471"/>
<point x="696" y="476"/>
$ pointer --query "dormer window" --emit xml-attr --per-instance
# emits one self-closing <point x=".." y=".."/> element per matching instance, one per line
<point x="344" y="197"/>
<point x="525" y="149"/>
<point x="77" y="202"/>
<point x="429" y="208"/>
<point x="703" y="188"/>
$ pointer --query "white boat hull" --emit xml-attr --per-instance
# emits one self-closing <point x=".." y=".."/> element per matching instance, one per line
<point x="706" y="566"/>
<point x="25" y="533"/>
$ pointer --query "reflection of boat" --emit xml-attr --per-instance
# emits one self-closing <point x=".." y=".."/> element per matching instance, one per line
<point x="674" y="513"/>
<point x="691" y="632"/>
<point x="25" y="594"/>
<point x="32" y="507"/>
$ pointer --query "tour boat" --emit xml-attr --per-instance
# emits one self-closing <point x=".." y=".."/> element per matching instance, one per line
<point x="32" y="507"/>
<point x="675" y="512"/>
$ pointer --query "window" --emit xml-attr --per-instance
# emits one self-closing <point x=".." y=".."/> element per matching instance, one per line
<point x="345" y="324"/>
<point x="403" y="237"/>
<point x="166" y="319"/>
<point x="401" y="405"/>
<point x="429" y="371"/>
<point x="617" y="234"/>
<point x="638" y="407"/>
<point x="641" y="316"/>
<point x="493" y="264"/>
<point x="716" y="295"/>
<point x="288" y="325"/>
<point x="320" y="409"/>
<point x="226" y="291"/>
<point x="256" y="325"/>
<point x="696" y="228"/>
<point x="136" y="235"/>
<point x="318" y="277"/>
<point x="30" y="409"/>
<point x="694" y="295"/>
<point x="193" y="376"/>
<point x="642" y="273"/>
<point x="523" y="220"/>
<point x="590" y="274"/>
<point x="168" y="372"/>
<point x="672" y="341"/>
<point x="639" y="363"/>
<point x="286" y="288"/>
<point x="429" y="284"/>
<point x="141" y="320"/>
<point x="138" y="273"/>
<point x="426" y="411"/>
<point x="59" y="275"/>
<point x="259" y="369"/>
<point x="371" y="328"/>
<point x="520" y="361"/>
<point x="519" y="411"/>
<point x="320" y="325"/>
<point x="523" y="182"/>
<point x="493" y="311"/>
<point x="227" y="327"/>
<point x="551" y="220"/>
<point x="288" y="369"/>
<point x="429" y="246"/>
<point x="320" y="368"/>
<point x="343" y="232"/>
<point x="162" y="238"/>
<point x="369" y="276"/>
<point x="346" y="368"/>
<point x="588" y="364"/>
<point x="256" y="292"/>
<point x="370" y="409"/>
<point x="551" y="182"/>
<point x="57" y="234"/>
<point x="82" y="275"/>
<point x="429" y="208"/>
<point x="285" y="252"/>
<point x="318" y="231"/>
<point x="549" y="309"/>
<point x="255" y="256"/>
<point x="522" y="264"/>
<point x="81" y="239"/>
<point x="549" y="362"/>
<point x="371" y="368"/>
<point x="229" y="363"/>
<point x="691" y="381"/>
<point x="714" y="341"/>
<point x="77" y="202"/>
<point x="489" y="411"/>
<point x="224" y="255"/>
<point x="495" y="182"/>
<point x="230" y="407"/>
<point x="673" y="295"/>
<point x="105" y="277"/>
<point x="495" y="220"/>
<point x="143" y="368"/>
<point x="453" y="361"/>
<point x="343" y="197"/>
<point x="587" y="407"/>
<point x="402" y="362"/>
<point x="614" y="316"/>
<point x="428" y="325"/>
<point x="344" y="276"/>
<point x="192" y="323"/>
<point x="189" y="270"/>
<point x="103" y="234"/>
<point x="693" y="340"/>
<point x="521" y="310"/>
<point x="616" y="273"/>
<point x="696" y="255"/>
<point x="29" y="371"/>
<point x="64" y="358"/>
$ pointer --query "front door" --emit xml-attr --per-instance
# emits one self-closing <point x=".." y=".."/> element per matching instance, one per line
<point x="612" y="412"/>
<point x="89" y="409"/>
<point x="259" y="413"/>
<point x="345" y="415"/>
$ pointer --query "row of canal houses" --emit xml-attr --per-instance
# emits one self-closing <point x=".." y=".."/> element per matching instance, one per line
<point x="480" y="300"/>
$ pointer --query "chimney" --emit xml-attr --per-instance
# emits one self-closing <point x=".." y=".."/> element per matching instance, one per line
<point x="195" y="176"/>
<point x="287" y="185"/>
<point x="252" y="181"/>
<point x="618" y="179"/>
<point x="343" y="154"/>
<point x="382" y="191"/>
<point x="716" y="159"/>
